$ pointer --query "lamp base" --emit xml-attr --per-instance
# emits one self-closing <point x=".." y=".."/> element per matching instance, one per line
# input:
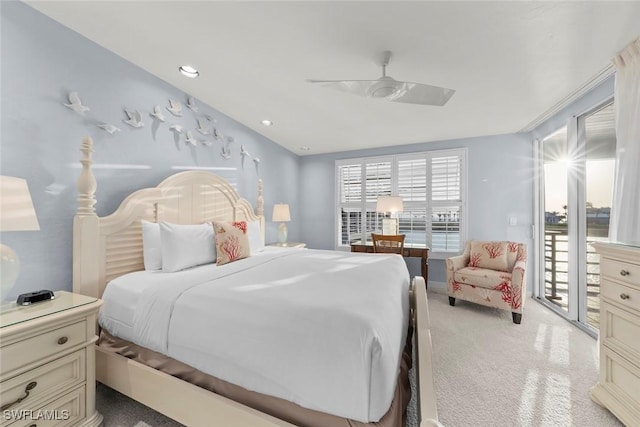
<point x="282" y="233"/>
<point x="9" y="268"/>
<point x="390" y="226"/>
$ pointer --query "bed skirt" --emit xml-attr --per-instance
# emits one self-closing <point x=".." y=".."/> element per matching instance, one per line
<point x="279" y="408"/>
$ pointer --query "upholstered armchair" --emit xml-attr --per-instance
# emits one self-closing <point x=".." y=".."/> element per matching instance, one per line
<point x="491" y="274"/>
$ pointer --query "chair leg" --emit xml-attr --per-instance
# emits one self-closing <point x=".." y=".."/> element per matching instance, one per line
<point x="452" y="301"/>
<point x="517" y="317"/>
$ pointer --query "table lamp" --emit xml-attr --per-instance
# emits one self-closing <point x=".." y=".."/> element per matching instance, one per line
<point x="16" y="214"/>
<point x="281" y="214"/>
<point x="391" y="205"/>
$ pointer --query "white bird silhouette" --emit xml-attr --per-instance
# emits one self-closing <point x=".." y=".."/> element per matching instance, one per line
<point x="76" y="104"/>
<point x="191" y="104"/>
<point x="243" y="151"/>
<point x="206" y="143"/>
<point x="134" y="118"/>
<point x="176" y="128"/>
<point x="189" y="139"/>
<point x="109" y="128"/>
<point x="203" y="126"/>
<point x="217" y="134"/>
<point x="256" y="160"/>
<point x="157" y="113"/>
<point x="175" y="107"/>
<point x="226" y="150"/>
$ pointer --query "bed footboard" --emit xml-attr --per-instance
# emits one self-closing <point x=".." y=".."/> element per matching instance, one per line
<point x="427" y="408"/>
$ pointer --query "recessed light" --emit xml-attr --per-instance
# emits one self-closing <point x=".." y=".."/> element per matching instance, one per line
<point x="304" y="148"/>
<point x="189" y="71"/>
<point x="266" y="122"/>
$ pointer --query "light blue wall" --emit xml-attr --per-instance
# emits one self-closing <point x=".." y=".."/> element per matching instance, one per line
<point x="500" y="184"/>
<point x="41" y="62"/>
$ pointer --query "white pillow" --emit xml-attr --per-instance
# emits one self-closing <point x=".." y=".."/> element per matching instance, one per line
<point x="185" y="246"/>
<point x="151" y="248"/>
<point x="255" y="237"/>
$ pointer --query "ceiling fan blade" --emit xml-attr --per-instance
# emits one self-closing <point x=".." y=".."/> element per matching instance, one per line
<point x="357" y="87"/>
<point x="418" y="93"/>
<point x="405" y="92"/>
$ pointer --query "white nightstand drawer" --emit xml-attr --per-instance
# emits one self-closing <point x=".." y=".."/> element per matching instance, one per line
<point x="41" y="346"/>
<point x="46" y="380"/>
<point x="621" y="271"/>
<point x="620" y="294"/>
<point x="65" y="411"/>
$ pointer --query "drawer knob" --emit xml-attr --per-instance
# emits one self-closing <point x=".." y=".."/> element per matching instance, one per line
<point x="624" y="296"/>
<point x="624" y="273"/>
<point x="63" y="340"/>
<point x="27" y="390"/>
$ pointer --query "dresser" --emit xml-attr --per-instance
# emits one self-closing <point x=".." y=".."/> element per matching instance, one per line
<point x="618" y="387"/>
<point x="47" y="362"/>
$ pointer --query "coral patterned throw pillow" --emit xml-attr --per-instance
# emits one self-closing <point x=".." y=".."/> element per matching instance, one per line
<point x="490" y="255"/>
<point x="232" y="241"/>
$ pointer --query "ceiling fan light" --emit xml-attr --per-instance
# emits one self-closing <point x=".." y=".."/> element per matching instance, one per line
<point x="384" y="88"/>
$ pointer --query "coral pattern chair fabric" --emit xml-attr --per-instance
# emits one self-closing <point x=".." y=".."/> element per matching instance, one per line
<point x="491" y="274"/>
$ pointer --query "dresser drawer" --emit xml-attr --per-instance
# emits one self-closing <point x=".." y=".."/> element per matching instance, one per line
<point x="621" y="378"/>
<point x="620" y="330"/>
<point x="65" y="411"/>
<point x="623" y="295"/>
<point x="38" y="347"/>
<point x="46" y="380"/>
<point x="621" y="271"/>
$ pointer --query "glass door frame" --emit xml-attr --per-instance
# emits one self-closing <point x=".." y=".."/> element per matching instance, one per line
<point x="576" y="219"/>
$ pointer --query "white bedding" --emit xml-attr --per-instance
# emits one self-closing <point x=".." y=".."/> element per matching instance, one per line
<point x="322" y="329"/>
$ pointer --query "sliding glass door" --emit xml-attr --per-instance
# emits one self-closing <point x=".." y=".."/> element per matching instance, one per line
<point x="576" y="183"/>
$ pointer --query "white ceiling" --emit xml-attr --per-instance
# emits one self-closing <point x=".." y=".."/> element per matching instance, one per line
<point x="510" y="62"/>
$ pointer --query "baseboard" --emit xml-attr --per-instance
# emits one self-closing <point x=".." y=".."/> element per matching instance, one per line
<point x="439" y="287"/>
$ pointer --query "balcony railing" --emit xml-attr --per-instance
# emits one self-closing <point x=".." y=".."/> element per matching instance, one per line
<point x="556" y="251"/>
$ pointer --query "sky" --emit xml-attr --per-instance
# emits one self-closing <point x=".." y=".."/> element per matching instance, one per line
<point x="599" y="184"/>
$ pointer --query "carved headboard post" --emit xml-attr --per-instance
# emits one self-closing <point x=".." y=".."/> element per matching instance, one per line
<point x="86" y="229"/>
<point x="260" y="207"/>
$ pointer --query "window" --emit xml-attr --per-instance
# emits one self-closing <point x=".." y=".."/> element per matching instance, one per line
<point x="432" y="187"/>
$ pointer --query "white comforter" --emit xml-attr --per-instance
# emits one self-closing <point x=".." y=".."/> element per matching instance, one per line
<point x="323" y="329"/>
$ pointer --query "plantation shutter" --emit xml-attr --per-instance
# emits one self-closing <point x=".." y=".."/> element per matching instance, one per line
<point x="446" y="203"/>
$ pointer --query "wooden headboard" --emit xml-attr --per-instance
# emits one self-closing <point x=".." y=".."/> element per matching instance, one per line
<point x="108" y="247"/>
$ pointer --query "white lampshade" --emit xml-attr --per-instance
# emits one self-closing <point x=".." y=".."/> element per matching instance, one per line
<point x="281" y="213"/>
<point x="391" y="204"/>
<point x="16" y="214"/>
<point x="16" y="207"/>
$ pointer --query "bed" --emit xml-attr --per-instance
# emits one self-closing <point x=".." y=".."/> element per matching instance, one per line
<point x="368" y="386"/>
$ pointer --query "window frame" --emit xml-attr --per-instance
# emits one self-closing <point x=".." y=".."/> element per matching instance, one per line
<point x="429" y="204"/>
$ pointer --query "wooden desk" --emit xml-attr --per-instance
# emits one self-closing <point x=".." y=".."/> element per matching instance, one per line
<point x="409" y="252"/>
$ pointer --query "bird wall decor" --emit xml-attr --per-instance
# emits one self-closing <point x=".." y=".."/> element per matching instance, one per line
<point x="175" y="107"/>
<point x="189" y="139"/>
<point x="203" y="126"/>
<point x="107" y="127"/>
<point x="176" y="128"/>
<point x="157" y="113"/>
<point x="134" y="118"/>
<point x="191" y="104"/>
<point x="75" y="103"/>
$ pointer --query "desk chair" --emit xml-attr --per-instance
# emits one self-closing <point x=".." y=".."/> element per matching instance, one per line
<point x="388" y="244"/>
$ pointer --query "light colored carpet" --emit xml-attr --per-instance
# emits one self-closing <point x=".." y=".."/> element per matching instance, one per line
<point x="487" y="371"/>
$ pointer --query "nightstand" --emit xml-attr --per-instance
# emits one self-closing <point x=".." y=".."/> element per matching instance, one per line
<point x="47" y="362"/>
<point x="289" y="245"/>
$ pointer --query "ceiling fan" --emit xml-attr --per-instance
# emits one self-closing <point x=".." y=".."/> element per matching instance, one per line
<point x="386" y="87"/>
